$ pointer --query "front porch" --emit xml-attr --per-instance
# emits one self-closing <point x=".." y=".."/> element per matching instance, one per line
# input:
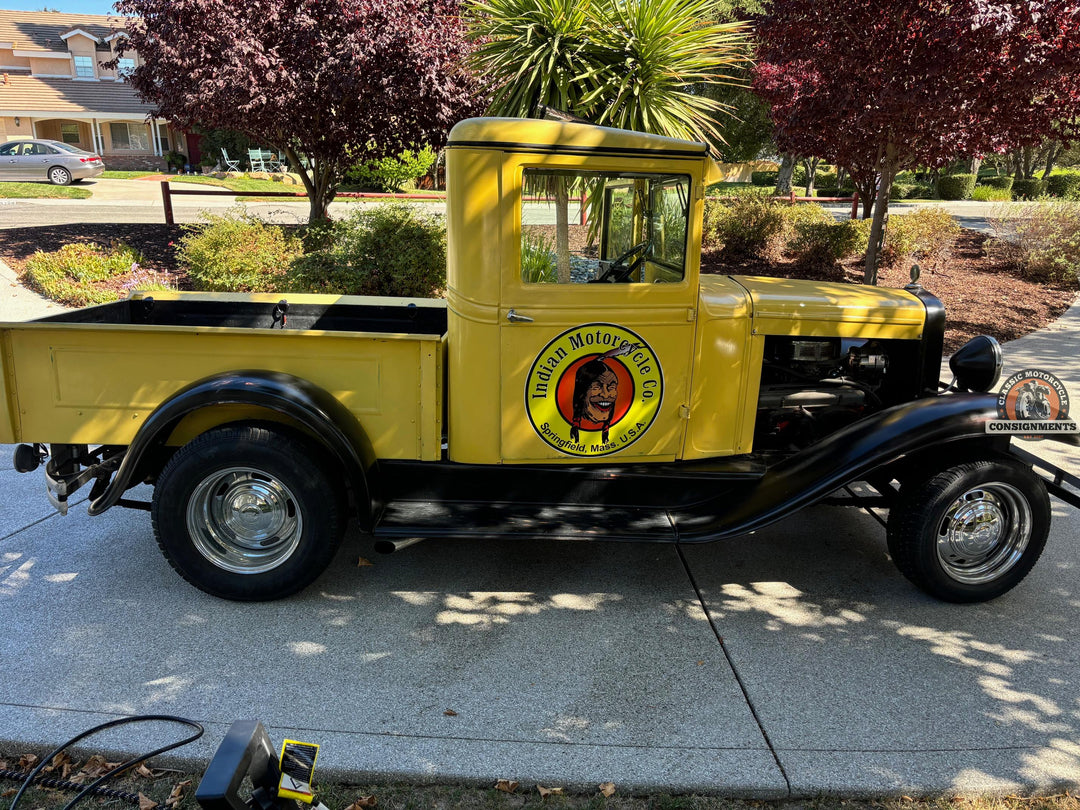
<point x="124" y="142"/>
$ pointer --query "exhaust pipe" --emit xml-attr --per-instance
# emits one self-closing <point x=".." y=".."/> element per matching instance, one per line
<point x="390" y="546"/>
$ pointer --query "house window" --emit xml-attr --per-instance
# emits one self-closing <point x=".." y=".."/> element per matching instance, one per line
<point x="69" y="133"/>
<point x="163" y="137"/>
<point x="129" y="138"/>
<point x="84" y="67"/>
<point x="125" y="67"/>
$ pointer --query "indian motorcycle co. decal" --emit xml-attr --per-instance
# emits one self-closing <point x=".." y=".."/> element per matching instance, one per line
<point x="594" y="390"/>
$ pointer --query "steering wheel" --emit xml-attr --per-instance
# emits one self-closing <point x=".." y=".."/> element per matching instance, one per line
<point x="619" y="270"/>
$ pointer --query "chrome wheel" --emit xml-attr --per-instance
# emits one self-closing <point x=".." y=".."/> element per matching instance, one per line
<point x="244" y="521"/>
<point x="984" y="533"/>
<point x="59" y="177"/>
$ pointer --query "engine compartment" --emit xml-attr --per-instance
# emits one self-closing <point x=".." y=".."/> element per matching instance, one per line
<point x="813" y="386"/>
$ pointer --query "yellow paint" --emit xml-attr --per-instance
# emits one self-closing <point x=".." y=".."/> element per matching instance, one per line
<point x="96" y="384"/>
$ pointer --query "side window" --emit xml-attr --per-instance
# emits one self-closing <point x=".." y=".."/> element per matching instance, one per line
<point x="9" y="149"/>
<point x="582" y="227"/>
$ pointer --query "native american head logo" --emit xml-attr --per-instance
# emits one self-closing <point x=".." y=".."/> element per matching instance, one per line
<point x="594" y="390"/>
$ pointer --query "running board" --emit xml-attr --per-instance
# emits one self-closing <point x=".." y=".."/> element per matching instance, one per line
<point x="486" y="520"/>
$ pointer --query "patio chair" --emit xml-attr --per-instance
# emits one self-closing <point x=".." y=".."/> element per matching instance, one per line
<point x="255" y="158"/>
<point x="230" y="164"/>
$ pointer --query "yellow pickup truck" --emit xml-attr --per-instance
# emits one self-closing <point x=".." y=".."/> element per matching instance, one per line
<point x="580" y="380"/>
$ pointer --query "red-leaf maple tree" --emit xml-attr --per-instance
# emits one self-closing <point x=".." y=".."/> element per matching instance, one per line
<point x="326" y="80"/>
<point x="880" y="87"/>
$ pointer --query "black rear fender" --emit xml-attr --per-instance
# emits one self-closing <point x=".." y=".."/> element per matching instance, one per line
<point x="295" y="400"/>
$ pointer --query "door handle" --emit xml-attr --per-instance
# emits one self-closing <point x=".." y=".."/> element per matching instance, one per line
<point x="513" y="317"/>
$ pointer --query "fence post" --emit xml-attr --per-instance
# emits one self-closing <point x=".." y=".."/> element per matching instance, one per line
<point x="791" y="197"/>
<point x="855" y="205"/>
<point x="166" y="198"/>
<point x="581" y="213"/>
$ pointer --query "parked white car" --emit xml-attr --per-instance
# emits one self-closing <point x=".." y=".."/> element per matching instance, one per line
<point x="59" y="163"/>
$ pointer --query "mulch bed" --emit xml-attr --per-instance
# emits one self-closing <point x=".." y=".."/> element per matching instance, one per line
<point x="980" y="296"/>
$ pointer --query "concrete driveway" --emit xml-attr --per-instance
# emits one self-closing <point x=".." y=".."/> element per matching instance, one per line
<point x="788" y="663"/>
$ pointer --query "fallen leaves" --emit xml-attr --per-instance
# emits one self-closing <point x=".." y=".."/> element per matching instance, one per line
<point x="146" y="803"/>
<point x="28" y="761"/>
<point x="608" y="789"/>
<point x="549" y="791"/>
<point x="363" y="561"/>
<point x="450" y="713"/>
<point x="506" y="785"/>
<point x="177" y="793"/>
<point x="362" y="802"/>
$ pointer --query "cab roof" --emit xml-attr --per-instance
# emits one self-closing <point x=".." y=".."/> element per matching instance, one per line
<point x="537" y="135"/>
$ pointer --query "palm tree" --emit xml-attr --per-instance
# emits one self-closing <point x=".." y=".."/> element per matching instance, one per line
<point x="631" y="64"/>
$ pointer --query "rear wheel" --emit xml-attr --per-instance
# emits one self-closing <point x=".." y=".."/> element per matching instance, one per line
<point x="971" y="532"/>
<point x="248" y="513"/>
<point x="59" y="176"/>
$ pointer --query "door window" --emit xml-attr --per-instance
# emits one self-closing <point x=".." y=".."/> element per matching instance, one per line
<point x="586" y="227"/>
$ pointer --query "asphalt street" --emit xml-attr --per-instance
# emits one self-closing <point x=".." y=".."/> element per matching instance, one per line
<point x="792" y="662"/>
<point x="138" y="201"/>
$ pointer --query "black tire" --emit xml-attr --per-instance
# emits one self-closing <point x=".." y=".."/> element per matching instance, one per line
<point x="59" y="176"/>
<point x="971" y="532"/>
<point x="248" y="512"/>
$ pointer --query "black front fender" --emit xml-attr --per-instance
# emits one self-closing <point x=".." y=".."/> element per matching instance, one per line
<point x="315" y="409"/>
<point x="939" y="426"/>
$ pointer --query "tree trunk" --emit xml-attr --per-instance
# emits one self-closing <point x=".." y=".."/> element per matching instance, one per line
<point x="841" y="176"/>
<point x="1051" y="156"/>
<point x="811" y="172"/>
<point x="783" y="176"/>
<point x="877" y="227"/>
<point x="318" y="184"/>
<point x="562" y="229"/>
<point x="974" y="165"/>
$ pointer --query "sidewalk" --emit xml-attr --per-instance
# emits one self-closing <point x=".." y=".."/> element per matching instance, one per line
<point x="791" y="663"/>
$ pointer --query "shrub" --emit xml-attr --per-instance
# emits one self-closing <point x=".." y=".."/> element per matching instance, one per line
<point x="827" y="191"/>
<point x="393" y="249"/>
<point x="763" y="178"/>
<point x="901" y="191"/>
<point x="1041" y="240"/>
<point x="991" y="194"/>
<point x="538" y="264"/>
<point x="798" y="176"/>
<point x="825" y="180"/>
<point x="823" y="244"/>
<point x="1065" y="185"/>
<point x="956" y="186"/>
<point x="1004" y="182"/>
<point x="1029" y="189"/>
<point x="392" y="173"/>
<point x="237" y="253"/>
<point x="746" y="225"/>
<point x="925" y="234"/>
<point x="920" y="191"/>
<point x="77" y="273"/>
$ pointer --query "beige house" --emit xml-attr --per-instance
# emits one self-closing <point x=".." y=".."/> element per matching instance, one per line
<point x="53" y="85"/>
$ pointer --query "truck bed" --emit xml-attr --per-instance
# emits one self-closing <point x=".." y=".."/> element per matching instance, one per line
<point x="92" y="376"/>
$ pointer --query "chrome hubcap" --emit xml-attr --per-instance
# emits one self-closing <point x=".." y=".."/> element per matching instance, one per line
<point x="244" y="521"/>
<point x="984" y="533"/>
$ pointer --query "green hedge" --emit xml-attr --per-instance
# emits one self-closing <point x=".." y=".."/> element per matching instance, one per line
<point x="1029" y="189"/>
<point x="1005" y="182"/>
<point x="990" y="194"/>
<point x="763" y="178"/>
<point x="956" y="186"/>
<point x="1065" y="185"/>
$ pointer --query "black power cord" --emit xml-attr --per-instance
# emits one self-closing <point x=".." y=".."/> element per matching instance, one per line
<point x="67" y="784"/>
<point x="94" y="786"/>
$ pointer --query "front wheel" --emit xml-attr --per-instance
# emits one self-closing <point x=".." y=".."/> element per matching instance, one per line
<point x="971" y="532"/>
<point x="248" y="513"/>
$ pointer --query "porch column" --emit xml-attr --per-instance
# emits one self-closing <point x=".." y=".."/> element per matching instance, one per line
<point x="154" y="137"/>
<point x="33" y="129"/>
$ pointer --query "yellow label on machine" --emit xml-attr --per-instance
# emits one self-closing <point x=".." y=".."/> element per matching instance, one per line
<point x="297" y="765"/>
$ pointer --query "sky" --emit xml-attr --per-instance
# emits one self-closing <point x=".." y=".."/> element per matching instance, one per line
<point x="69" y="6"/>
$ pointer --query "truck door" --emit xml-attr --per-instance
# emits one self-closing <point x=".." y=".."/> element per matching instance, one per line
<point x="597" y="316"/>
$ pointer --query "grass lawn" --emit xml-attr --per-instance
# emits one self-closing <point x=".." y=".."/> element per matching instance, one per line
<point x="242" y="184"/>
<point x="121" y="175"/>
<point x="27" y="191"/>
